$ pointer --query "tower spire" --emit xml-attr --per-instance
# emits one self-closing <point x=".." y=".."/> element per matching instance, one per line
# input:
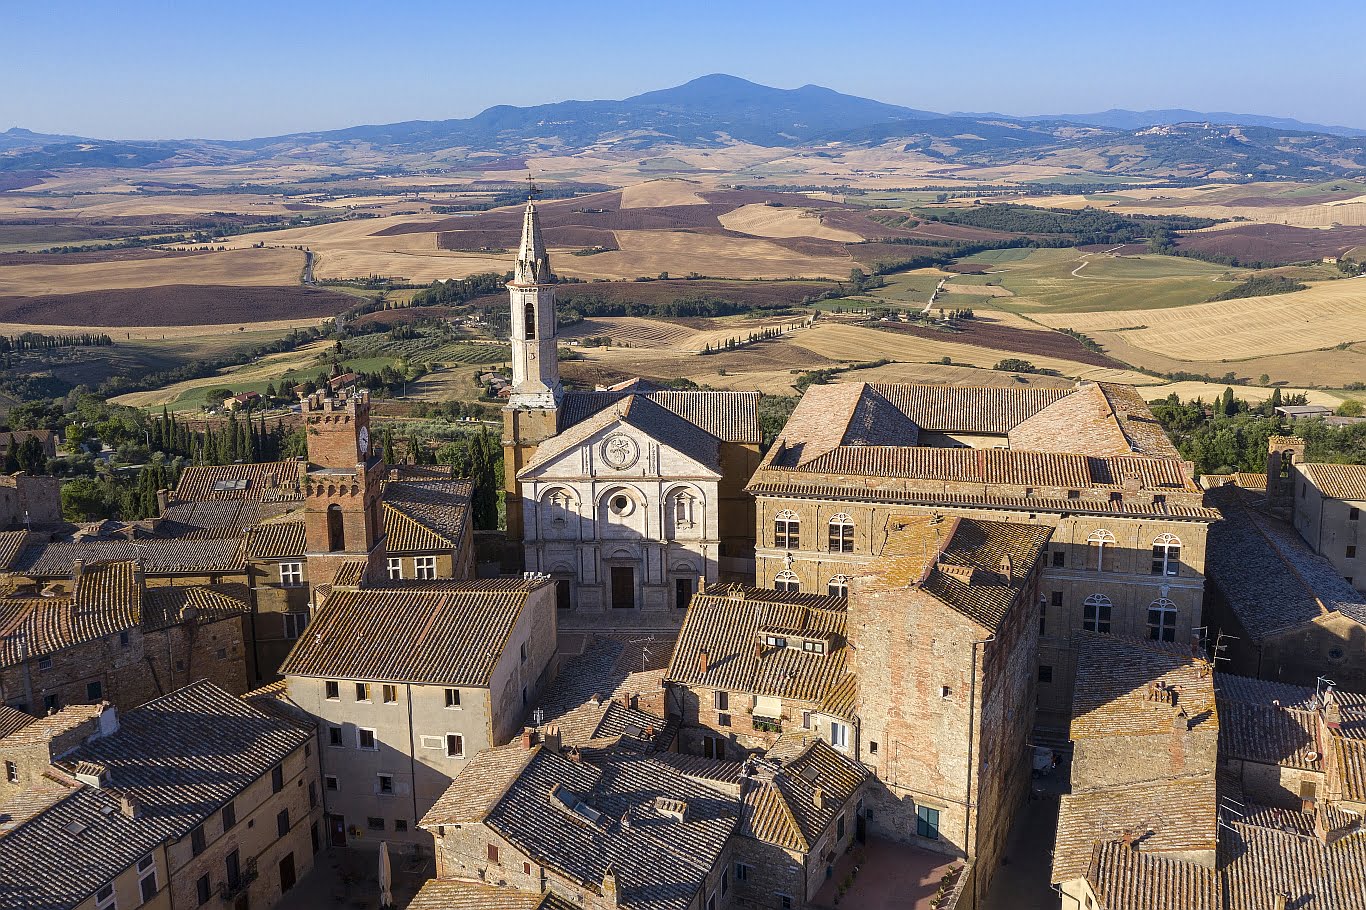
<point x="533" y="262"/>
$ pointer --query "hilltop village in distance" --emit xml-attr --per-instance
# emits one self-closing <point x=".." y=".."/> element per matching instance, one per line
<point x="549" y="457"/>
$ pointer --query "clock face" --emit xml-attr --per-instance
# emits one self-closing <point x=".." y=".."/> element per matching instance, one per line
<point x="364" y="440"/>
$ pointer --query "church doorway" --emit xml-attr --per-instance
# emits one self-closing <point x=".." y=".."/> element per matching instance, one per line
<point x="623" y="587"/>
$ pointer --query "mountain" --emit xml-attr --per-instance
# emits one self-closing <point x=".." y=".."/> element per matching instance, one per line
<point x="1120" y="119"/>
<point x="719" y="110"/>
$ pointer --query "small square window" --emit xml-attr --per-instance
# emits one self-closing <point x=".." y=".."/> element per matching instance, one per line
<point x="723" y="720"/>
<point x="362" y="691"/>
<point x="1059" y="559"/>
<point x="1352" y="552"/>
<point x="385" y="784"/>
<point x="94" y="691"/>
<point x="872" y="747"/>
<point x="424" y="567"/>
<point x="395" y="568"/>
<point x="365" y="739"/>
<point x="334" y="736"/>
<point x="400" y="824"/>
<point x="455" y="745"/>
<point x="330" y="783"/>
<point x="1045" y="673"/>
<point x="452" y="698"/>
<point x="332" y="690"/>
<point x="374" y="824"/>
<point x="1353" y="514"/>
<point x="720" y="700"/>
<point x="45" y="663"/>
<point x="291" y="574"/>
<point x="1056" y="598"/>
<point x="390" y="695"/>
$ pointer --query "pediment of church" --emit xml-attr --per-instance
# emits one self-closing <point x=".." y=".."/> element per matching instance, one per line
<point x="612" y="445"/>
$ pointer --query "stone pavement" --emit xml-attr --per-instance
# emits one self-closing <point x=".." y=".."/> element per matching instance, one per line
<point x="890" y="876"/>
<point x="347" y="877"/>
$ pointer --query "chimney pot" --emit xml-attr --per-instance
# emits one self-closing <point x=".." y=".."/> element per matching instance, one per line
<point x="702" y="661"/>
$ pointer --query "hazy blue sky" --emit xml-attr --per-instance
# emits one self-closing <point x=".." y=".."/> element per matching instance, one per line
<point x="242" y="68"/>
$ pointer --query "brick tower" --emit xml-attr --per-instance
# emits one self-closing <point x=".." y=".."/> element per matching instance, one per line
<point x="342" y="488"/>
<point x="532" y="413"/>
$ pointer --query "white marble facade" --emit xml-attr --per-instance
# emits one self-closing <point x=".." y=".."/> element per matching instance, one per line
<point x="626" y="522"/>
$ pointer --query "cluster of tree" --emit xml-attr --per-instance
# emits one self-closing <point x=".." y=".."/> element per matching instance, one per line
<point x="25" y="456"/>
<point x="1261" y="286"/>
<point x="37" y="341"/>
<point x="733" y="343"/>
<point x="222" y="442"/>
<point x="578" y="305"/>
<point x="1081" y="227"/>
<point x="477" y="455"/>
<point x="1018" y="365"/>
<point x="1230" y="435"/>
<point x="456" y="291"/>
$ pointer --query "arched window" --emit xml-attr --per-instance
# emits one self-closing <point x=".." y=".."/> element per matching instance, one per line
<point x="1095" y="615"/>
<point x="1162" y="620"/>
<point x="787" y="581"/>
<point x="838" y="587"/>
<point x="529" y="322"/>
<point x="336" y="531"/>
<point x="1167" y="555"/>
<point x="1101" y="547"/>
<point x="787" y="530"/>
<point x="841" y="534"/>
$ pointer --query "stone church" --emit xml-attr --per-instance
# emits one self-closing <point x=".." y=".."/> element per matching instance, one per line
<point x="630" y="496"/>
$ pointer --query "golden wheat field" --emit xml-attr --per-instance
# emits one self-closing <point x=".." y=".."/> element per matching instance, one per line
<point x="667" y="191"/>
<point x="678" y="253"/>
<point x="856" y="343"/>
<point x="1323" y="316"/>
<point x="243" y="268"/>
<point x="767" y="221"/>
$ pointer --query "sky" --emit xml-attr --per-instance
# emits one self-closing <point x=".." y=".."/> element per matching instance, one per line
<point x="242" y="68"/>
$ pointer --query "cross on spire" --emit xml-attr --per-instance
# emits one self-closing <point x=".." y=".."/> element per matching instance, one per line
<point x="531" y="190"/>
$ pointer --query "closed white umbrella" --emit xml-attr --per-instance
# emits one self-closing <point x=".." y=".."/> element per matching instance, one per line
<point x="386" y="890"/>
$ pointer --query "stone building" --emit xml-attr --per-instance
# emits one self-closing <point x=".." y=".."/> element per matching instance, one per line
<point x="115" y="639"/>
<point x="752" y="664"/>
<point x="943" y="632"/>
<point x="1325" y="503"/>
<point x="626" y="496"/>
<point x="607" y="829"/>
<point x="1090" y="463"/>
<point x="1277" y="610"/>
<point x="407" y="681"/>
<point x="28" y="501"/>
<point x="108" y="824"/>
<point x="1158" y="816"/>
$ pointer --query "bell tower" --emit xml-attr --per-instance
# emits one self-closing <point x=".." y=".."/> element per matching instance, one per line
<point x="532" y="412"/>
<point x="343" y="516"/>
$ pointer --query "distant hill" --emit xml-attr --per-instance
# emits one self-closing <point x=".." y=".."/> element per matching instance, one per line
<point x="1120" y="119"/>
<point x="718" y="110"/>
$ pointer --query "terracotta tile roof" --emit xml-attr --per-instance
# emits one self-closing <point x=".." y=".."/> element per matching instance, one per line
<point x="728" y="416"/>
<point x="1264" y="691"/>
<point x="793" y="798"/>
<point x="479" y="785"/>
<point x="660" y="862"/>
<point x="35" y="799"/>
<point x="1114" y="676"/>
<point x="276" y="540"/>
<point x="768" y="483"/>
<point x="179" y="757"/>
<point x="43" y="729"/>
<point x="170" y="606"/>
<point x="433" y="633"/>
<point x="1337" y="481"/>
<point x="729" y="622"/>
<point x="268" y="481"/>
<point x="1167" y="817"/>
<point x="1128" y="879"/>
<point x="840" y="701"/>
<point x="158" y="556"/>
<point x="12" y="719"/>
<point x="425" y="515"/>
<point x="436" y="894"/>
<point x="11" y="543"/>
<point x="227" y="515"/>
<point x="1260" y="861"/>
<point x="967" y="409"/>
<point x="1269" y="577"/>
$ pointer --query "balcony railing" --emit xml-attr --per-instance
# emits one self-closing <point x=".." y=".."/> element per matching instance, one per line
<point x="768" y="724"/>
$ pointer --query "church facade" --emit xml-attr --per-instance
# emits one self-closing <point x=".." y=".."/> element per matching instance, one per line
<point x="629" y="497"/>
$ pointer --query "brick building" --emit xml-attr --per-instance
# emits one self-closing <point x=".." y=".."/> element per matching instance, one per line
<point x="1325" y="503"/>
<point x="1158" y="816"/>
<point x="608" y="829"/>
<point x="193" y="797"/>
<point x="29" y="501"/>
<point x="115" y="639"/>
<point x="1286" y="613"/>
<point x="1090" y="463"/>
<point x="407" y="682"/>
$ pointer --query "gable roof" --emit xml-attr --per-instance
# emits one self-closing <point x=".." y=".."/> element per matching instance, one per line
<point x="266" y="481"/>
<point x="422" y="515"/>
<point x="644" y="414"/>
<point x="429" y="632"/>
<point x="729" y="623"/>
<point x="179" y="758"/>
<point x="728" y="416"/>
<point x="158" y="556"/>
<point x="1337" y="481"/>
<point x="793" y="804"/>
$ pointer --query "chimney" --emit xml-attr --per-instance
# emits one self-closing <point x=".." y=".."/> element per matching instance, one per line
<point x="163" y="501"/>
<point x="702" y="662"/>
<point x="609" y="888"/>
<point x="1279" y="901"/>
<point x="77" y="570"/>
<point x="818" y="798"/>
<point x="528" y="738"/>
<point x="758" y="651"/>
<point x="1180" y="721"/>
<point x="129" y="806"/>
<point x="1332" y="709"/>
<point x="1127" y="839"/>
<point x="551" y="738"/>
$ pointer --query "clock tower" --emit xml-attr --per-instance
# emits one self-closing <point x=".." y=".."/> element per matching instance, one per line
<point x="343" y="515"/>
<point x="532" y="412"/>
